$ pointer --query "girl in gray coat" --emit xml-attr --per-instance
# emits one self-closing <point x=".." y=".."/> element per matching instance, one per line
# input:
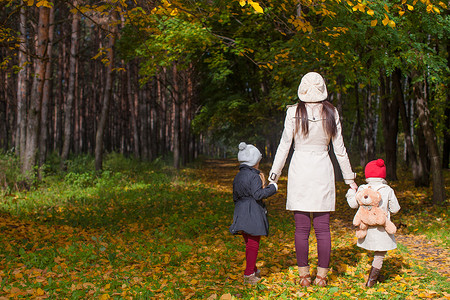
<point x="250" y="214"/>
<point x="377" y="239"/>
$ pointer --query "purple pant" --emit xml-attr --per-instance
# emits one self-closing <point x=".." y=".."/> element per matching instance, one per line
<point x="321" y="222"/>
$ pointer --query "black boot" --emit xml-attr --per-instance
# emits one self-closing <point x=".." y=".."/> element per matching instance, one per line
<point x="373" y="276"/>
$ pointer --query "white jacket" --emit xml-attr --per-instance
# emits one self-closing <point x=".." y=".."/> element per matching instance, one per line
<point x="311" y="185"/>
<point x="377" y="239"/>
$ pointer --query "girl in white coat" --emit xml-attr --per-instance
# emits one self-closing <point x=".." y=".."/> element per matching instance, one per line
<point x="377" y="239"/>
<point x="312" y="124"/>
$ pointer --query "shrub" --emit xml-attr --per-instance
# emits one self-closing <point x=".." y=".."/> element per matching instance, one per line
<point x="11" y="177"/>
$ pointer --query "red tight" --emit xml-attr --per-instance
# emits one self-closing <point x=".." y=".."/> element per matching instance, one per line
<point x="251" y="252"/>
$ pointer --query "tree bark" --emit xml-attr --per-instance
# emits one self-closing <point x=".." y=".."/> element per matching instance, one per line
<point x="68" y="108"/>
<point x="105" y="104"/>
<point x="389" y="115"/>
<point x="22" y="88"/>
<point x="46" y="94"/>
<point x="419" y="174"/>
<point x="31" y="147"/>
<point x="176" y="120"/>
<point x="431" y="141"/>
<point x="131" y="98"/>
<point x="446" y="145"/>
<point x="370" y="122"/>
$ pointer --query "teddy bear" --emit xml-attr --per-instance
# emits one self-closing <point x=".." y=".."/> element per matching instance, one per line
<point x="369" y="214"/>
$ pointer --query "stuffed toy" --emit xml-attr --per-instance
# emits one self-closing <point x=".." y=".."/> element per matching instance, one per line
<point x="369" y="214"/>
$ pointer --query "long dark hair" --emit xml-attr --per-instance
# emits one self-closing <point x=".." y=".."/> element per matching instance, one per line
<point x="328" y="118"/>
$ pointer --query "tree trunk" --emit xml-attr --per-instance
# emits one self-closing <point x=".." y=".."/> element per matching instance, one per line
<point x="419" y="174"/>
<point x="130" y="96"/>
<point x="176" y="120"/>
<point x="68" y="109"/>
<point x="389" y="115"/>
<point x="446" y="145"/>
<point x="31" y="147"/>
<point x="431" y="141"/>
<point x="22" y="88"/>
<point x="105" y="104"/>
<point x="370" y="122"/>
<point x="46" y="94"/>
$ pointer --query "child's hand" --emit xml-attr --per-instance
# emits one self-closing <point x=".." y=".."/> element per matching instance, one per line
<point x="354" y="186"/>
<point x="275" y="184"/>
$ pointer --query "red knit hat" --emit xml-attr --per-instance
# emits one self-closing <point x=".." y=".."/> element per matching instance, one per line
<point x="375" y="168"/>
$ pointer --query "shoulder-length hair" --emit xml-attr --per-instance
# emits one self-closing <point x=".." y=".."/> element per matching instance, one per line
<point x="328" y="118"/>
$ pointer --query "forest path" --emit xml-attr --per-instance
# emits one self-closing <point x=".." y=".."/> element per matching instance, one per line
<point x="219" y="174"/>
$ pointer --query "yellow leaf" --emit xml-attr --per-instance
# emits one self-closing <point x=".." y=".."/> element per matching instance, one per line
<point x="225" y="297"/>
<point x="256" y="7"/>
<point x="107" y="286"/>
<point x="212" y="297"/>
<point x="401" y="13"/>
<point x="44" y="4"/>
<point x="386" y="20"/>
<point x="18" y="275"/>
<point x="386" y="8"/>
<point x="194" y="282"/>
<point x="374" y="23"/>
<point x="40" y="292"/>
<point x="410" y="7"/>
<point x="242" y="2"/>
<point x="370" y="12"/>
<point x="30" y="2"/>
<point x="391" y="23"/>
<point x="105" y="297"/>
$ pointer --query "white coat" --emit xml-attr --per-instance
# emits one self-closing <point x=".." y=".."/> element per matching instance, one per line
<point x="377" y="239"/>
<point x="311" y="186"/>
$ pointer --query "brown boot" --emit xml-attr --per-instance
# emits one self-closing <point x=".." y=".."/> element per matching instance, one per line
<point x="373" y="276"/>
<point x="321" y="277"/>
<point x="305" y="277"/>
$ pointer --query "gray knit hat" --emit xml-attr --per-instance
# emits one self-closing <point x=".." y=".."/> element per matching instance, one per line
<point x="248" y="154"/>
<point x="312" y="88"/>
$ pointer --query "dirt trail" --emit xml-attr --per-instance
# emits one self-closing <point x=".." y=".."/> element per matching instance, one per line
<point x="436" y="258"/>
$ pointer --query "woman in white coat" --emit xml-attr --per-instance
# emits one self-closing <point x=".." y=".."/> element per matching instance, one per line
<point x="312" y="124"/>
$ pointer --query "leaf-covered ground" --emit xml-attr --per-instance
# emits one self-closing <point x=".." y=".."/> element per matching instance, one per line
<point x="158" y="234"/>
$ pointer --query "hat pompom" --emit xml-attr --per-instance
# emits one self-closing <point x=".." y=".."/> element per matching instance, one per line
<point x="380" y="162"/>
<point x="248" y="154"/>
<point x="375" y="168"/>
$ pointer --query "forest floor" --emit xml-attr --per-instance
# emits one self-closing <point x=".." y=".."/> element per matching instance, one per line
<point x="158" y="233"/>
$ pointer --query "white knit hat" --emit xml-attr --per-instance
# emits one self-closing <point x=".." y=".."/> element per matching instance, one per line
<point x="248" y="154"/>
<point x="312" y="88"/>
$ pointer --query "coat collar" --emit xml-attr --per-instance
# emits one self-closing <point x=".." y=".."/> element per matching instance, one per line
<point x="243" y="166"/>
<point x="376" y="180"/>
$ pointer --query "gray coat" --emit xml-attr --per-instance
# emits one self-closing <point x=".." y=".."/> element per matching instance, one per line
<point x="250" y="214"/>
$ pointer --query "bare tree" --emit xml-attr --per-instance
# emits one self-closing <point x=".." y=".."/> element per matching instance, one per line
<point x="68" y="107"/>
<point x="31" y="147"/>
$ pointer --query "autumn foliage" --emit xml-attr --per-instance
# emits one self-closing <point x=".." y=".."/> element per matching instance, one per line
<point x="141" y="231"/>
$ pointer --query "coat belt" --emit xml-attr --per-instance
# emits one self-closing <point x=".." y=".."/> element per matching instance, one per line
<point x="311" y="148"/>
